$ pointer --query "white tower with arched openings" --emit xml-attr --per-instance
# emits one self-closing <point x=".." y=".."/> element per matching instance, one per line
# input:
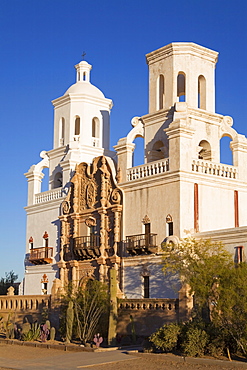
<point x="82" y="115"/>
<point x="182" y="71"/>
<point x="181" y="79"/>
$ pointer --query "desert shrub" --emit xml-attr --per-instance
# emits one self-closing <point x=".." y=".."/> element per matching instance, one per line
<point x="31" y="334"/>
<point x="194" y="341"/>
<point x="166" y="337"/>
<point x="90" y="304"/>
<point x="215" y="348"/>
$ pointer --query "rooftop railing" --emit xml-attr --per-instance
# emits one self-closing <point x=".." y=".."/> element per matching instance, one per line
<point x="216" y="169"/>
<point x="49" y="195"/>
<point x="148" y="169"/>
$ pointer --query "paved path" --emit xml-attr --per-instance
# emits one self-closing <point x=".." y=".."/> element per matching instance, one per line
<point x="25" y="358"/>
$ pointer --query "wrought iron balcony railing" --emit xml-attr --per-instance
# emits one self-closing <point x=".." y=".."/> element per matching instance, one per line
<point x="87" y="247"/>
<point x="141" y="243"/>
<point x="41" y="256"/>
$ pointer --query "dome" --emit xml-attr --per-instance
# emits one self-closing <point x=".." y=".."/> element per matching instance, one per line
<point x="85" y="88"/>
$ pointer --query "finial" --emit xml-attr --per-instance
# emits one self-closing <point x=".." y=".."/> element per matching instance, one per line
<point x="83" y="55"/>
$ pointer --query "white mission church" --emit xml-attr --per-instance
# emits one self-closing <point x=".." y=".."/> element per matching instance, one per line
<point x="101" y="214"/>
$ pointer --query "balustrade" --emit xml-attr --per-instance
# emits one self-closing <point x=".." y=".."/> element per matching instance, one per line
<point x="148" y="169"/>
<point x="49" y="195"/>
<point x="23" y="303"/>
<point x="216" y="169"/>
<point x="149" y="304"/>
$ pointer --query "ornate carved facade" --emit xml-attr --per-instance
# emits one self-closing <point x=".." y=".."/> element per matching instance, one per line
<point x="91" y="223"/>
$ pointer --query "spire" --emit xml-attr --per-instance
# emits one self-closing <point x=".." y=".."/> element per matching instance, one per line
<point x="83" y="71"/>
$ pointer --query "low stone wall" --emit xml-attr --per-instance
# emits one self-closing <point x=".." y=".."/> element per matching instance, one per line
<point x="17" y="308"/>
<point x="144" y="316"/>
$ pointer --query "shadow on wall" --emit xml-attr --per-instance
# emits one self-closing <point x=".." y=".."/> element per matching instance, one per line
<point x="56" y="251"/>
<point x="158" y="147"/>
<point x="160" y="285"/>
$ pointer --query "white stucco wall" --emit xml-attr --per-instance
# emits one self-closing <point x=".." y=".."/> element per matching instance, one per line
<point x="34" y="275"/>
<point x="160" y="286"/>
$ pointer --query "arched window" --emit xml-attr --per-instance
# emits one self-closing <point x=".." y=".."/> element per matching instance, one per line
<point x="160" y="92"/>
<point x="225" y="150"/>
<point x="201" y="92"/>
<point x="61" y="131"/>
<point x="169" y="223"/>
<point x="157" y="151"/>
<point x="205" y="151"/>
<point x="95" y="127"/>
<point x="77" y="125"/>
<point x="181" y="86"/>
<point x="95" y="132"/>
<point x="58" y="180"/>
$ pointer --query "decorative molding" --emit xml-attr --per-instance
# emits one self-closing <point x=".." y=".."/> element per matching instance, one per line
<point x="146" y="220"/>
<point x="90" y="221"/>
<point x="168" y="218"/>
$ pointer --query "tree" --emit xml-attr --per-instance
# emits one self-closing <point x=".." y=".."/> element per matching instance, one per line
<point x="199" y="263"/>
<point x="218" y="284"/>
<point x="91" y="310"/>
<point x="9" y="280"/>
<point x="230" y="311"/>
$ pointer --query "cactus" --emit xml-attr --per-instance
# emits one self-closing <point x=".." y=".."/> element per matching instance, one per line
<point x="133" y="330"/>
<point x="69" y="321"/>
<point x="48" y="324"/>
<point x="26" y="327"/>
<point x="35" y="330"/>
<point x="30" y="331"/>
<point x="52" y="333"/>
<point x="44" y="333"/>
<point x="10" y="333"/>
<point x="9" y="327"/>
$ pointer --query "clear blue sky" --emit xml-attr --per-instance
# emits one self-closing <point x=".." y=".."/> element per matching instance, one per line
<point x="41" y="41"/>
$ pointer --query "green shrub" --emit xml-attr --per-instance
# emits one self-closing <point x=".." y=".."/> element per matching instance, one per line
<point x="194" y="341"/>
<point x="166" y="337"/>
<point x="31" y="334"/>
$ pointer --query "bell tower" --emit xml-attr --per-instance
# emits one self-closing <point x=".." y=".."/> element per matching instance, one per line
<point x="181" y="88"/>
<point x="82" y="116"/>
<point x="182" y="71"/>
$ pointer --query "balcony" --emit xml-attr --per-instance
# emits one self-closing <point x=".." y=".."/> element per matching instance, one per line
<point x="87" y="247"/>
<point x="41" y="256"/>
<point x="141" y="244"/>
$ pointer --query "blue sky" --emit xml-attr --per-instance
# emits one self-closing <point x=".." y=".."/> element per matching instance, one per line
<point x="41" y="41"/>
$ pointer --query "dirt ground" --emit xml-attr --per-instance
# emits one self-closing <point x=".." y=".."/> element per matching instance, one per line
<point x="165" y="362"/>
<point x="142" y="361"/>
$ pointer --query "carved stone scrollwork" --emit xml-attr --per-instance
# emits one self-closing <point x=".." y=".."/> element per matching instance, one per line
<point x="90" y="221"/>
<point x="116" y="196"/>
<point x="65" y="207"/>
<point x="90" y="195"/>
<point x="145" y="271"/>
<point x="119" y="175"/>
<point x="168" y="218"/>
<point x="146" y="220"/>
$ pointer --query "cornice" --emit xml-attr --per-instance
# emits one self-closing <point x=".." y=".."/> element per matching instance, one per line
<point x="232" y="235"/>
<point x="82" y="98"/>
<point x="182" y="48"/>
<point x="43" y="207"/>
